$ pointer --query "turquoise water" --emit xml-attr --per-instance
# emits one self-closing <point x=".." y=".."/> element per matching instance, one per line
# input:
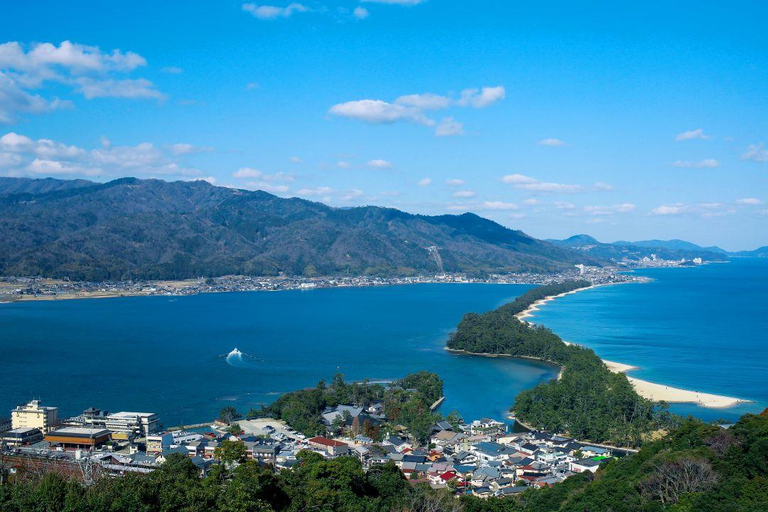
<point x="702" y="328"/>
<point x="166" y="354"/>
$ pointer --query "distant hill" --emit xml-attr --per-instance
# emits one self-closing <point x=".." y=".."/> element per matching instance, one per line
<point x="761" y="252"/>
<point x="634" y="251"/>
<point x="674" y="245"/>
<point x="153" y="229"/>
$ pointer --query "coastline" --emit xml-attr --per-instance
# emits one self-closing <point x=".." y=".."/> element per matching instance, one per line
<point x="650" y="390"/>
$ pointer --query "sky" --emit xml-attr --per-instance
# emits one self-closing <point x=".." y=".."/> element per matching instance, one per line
<point x="622" y="120"/>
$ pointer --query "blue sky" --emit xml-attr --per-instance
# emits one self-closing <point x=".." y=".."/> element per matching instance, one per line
<point x="624" y="120"/>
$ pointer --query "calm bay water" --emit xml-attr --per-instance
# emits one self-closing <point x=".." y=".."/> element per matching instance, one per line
<point x="165" y="354"/>
<point x="702" y="328"/>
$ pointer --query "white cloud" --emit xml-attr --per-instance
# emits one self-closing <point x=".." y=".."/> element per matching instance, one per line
<point x="751" y="201"/>
<point x="425" y="182"/>
<point x="482" y="98"/>
<point x="551" y="142"/>
<point x="379" y="164"/>
<point x="499" y="205"/>
<point x="755" y="153"/>
<point x="379" y="112"/>
<point x="295" y="160"/>
<point x="247" y="172"/>
<point x="531" y="201"/>
<point x="709" y="163"/>
<point x="251" y="173"/>
<point x="449" y="126"/>
<point x="267" y="187"/>
<point x="360" y="13"/>
<point x="14" y="101"/>
<point x="610" y="210"/>
<point x="352" y="194"/>
<point x="413" y="108"/>
<point x="706" y="210"/>
<point x="454" y="182"/>
<point x="522" y="182"/>
<point x="9" y="160"/>
<point x="42" y="60"/>
<point x="427" y="101"/>
<point x="138" y="88"/>
<point x="271" y="12"/>
<point x="602" y="186"/>
<point x="172" y="70"/>
<point x="187" y="149"/>
<point x="464" y="193"/>
<point x="692" y="134"/>
<point x="317" y="191"/>
<point x="49" y="157"/>
<point x="85" y="69"/>
<point x="670" y="209"/>
<point x="343" y="164"/>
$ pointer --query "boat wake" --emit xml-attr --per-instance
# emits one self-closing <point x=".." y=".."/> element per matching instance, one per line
<point x="240" y="359"/>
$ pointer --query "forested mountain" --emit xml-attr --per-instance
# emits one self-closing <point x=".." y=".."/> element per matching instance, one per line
<point x="634" y="251"/>
<point x="153" y="229"/>
<point x="760" y="252"/>
<point x="674" y="245"/>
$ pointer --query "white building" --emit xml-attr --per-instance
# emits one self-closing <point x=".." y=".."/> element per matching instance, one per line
<point x="138" y="423"/>
<point x="35" y="415"/>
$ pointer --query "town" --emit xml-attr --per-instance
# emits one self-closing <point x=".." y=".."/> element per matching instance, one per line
<point x="37" y="288"/>
<point x="482" y="458"/>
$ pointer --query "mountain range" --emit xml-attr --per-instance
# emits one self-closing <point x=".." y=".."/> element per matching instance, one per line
<point x="153" y="229"/>
<point x="663" y="249"/>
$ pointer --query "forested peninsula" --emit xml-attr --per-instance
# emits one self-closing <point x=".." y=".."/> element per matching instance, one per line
<point x="588" y="400"/>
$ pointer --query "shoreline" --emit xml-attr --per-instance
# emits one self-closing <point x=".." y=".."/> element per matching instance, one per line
<point x="646" y="389"/>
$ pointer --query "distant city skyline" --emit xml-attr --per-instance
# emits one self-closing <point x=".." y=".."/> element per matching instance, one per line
<point x="624" y="122"/>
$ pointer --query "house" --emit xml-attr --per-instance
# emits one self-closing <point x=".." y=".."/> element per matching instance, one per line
<point x="446" y="438"/>
<point x="482" y="492"/>
<point x="465" y="458"/>
<point x="595" y="451"/>
<point x="590" y="464"/>
<point x="330" y="446"/>
<point x="399" y="443"/>
<point x="492" y="451"/>
<point x="344" y="413"/>
<point x="440" y="426"/>
<point x="510" y="491"/>
<point x="487" y="424"/>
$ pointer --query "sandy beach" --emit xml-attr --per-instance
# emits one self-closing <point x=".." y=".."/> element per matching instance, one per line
<point x="650" y="390"/>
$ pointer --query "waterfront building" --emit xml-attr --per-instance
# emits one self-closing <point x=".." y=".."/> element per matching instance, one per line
<point x="5" y="425"/>
<point x="34" y="415"/>
<point x="21" y="437"/>
<point x="133" y="423"/>
<point x="78" y="437"/>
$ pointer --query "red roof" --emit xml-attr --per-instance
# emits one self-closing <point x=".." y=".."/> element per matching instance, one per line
<point x="326" y="442"/>
<point x="448" y="475"/>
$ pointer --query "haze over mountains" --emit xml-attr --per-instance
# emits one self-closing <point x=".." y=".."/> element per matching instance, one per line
<point x="663" y="249"/>
<point x="153" y="229"/>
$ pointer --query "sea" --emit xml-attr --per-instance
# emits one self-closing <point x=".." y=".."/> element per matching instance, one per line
<point x="701" y="328"/>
